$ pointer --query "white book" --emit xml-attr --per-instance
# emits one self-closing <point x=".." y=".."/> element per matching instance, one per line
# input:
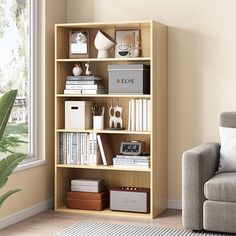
<point x="67" y="148"/>
<point x="105" y="149"/>
<point x="140" y="114"/>
<point x="82" y="148"/>
<point x="137" y="115"/>
<point x="84" y="91"/>
<point x="129" y="117"/>
<point x="88" y="182"/>
<point x="82" y="82"/>
<point x="91" y="149"/>
<point x="82" y="86"/>
<point x="149" y="115"/>
<point x="144" y="114"/>
<point x="78" y="149"/>
<point x="133" y="112"/>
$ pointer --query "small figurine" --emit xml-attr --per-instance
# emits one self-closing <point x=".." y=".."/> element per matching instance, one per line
<point x="137" y="48"/>
<point x="88" y="72"/>
<point x="115" y="118"/>
<point x="77" y="70"/>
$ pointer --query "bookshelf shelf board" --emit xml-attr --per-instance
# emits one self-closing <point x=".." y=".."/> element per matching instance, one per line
<point x="102" y="131"/>
<point x="103" y="59"/>
<point x="106" y="95"/>
<point x="106" y="212"/>
<point x="102" y="167"/>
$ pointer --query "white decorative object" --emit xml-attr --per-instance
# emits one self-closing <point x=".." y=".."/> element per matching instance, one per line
<point x="115" y="114"/>
<point x="137" y="48"/>
<point x="77" y="70"/>
<point x="103" y="43"/>
<point x="88" y="72"/>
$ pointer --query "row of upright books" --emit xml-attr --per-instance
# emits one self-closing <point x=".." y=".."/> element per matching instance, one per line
<point x="84" y="85"/>
<point x="93" y="149"/>
<point x="139" y="115"/>
<point x="85" y="149"/>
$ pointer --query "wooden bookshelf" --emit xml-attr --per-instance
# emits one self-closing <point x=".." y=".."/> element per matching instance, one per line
<point x="154" y="53"/>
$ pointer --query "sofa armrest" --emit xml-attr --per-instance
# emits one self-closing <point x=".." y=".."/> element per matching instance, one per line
<point x="198" y="165"/>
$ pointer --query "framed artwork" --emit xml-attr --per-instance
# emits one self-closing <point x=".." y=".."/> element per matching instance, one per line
<point x="128" y="43"/>
<point x="78" y="44"/>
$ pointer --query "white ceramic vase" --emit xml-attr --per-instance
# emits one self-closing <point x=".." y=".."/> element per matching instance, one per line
<point x="103" y="43"/>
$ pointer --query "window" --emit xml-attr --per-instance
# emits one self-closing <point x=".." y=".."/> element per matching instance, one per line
<point x="18" y="71"/>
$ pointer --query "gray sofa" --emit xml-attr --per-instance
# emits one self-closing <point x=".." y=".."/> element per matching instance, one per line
<point x="209" y="199"/>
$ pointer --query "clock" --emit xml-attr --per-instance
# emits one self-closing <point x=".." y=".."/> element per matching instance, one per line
<point x="133" y="148"/>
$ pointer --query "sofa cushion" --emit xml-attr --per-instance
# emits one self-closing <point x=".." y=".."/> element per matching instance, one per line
<point x="228" y="150"/>
<point x="222" y="187"/>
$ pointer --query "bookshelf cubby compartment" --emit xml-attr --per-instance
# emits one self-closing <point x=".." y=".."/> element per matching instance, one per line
<point x="154" y="53"/>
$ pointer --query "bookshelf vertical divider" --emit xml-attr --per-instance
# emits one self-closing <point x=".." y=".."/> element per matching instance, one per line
<point x="154" y="53"/>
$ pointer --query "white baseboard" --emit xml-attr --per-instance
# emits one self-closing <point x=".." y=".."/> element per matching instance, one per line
<point x="173" y="204"/>
<point x="25" y="213"/>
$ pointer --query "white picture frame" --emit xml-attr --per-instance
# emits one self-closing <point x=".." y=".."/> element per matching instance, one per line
<point x="78" y="44"/>
<point x="125" y="42"/>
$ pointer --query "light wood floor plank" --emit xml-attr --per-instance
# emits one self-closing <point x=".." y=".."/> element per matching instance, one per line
<point x="48" y="223"/>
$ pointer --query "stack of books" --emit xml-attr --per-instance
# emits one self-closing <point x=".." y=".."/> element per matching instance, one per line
<point x="132" y="161"/>
<point x="139" y="115"/>
<point x="85" y="149"/>
<point x="84" y="85"/>
<point x="88" y="194"/>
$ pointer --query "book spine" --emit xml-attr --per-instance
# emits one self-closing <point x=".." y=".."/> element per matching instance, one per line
<point x="64" y="148"/>
<point x="61" y="149"/>
<point x="68" y="148"/>
<point x="148" y="115"/>
<point x="74" y="149"/>
<point x="145" y="114"/>
<point x="101" y="150"/>
<point x="82" y="86"/>
<point x="140" y="114"/>
<point x="82" y="148"/>
<point x="133" y="112"/>
<point x="78" y="148"/>
<point x="83" y="78"/>
<point x="84" y="82"/>
<point x="137" y="115"/>
<point x="129" y="117"/>
<point x="84" y="91"/>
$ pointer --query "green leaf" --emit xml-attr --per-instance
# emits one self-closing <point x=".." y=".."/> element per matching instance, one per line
<point x="7" y="194"/>
<point x="7" y="166"/>
<point x="6" y="104"/>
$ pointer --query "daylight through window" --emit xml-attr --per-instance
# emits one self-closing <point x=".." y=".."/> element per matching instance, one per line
<point x="17" y="72"/>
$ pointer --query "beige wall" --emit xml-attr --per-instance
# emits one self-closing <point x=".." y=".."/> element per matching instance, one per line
<point x="37" y="183"/>
<point x="201" y="64"/>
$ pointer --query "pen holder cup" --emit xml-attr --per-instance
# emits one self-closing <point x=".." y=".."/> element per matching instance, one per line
<point x="98" y="122"/>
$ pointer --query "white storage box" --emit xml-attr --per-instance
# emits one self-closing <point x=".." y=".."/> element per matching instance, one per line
<point x="78" y="114"/>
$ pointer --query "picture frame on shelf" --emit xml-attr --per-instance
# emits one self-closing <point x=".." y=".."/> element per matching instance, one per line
<point x="79" y="44"/>
<point x="128" y="43"/>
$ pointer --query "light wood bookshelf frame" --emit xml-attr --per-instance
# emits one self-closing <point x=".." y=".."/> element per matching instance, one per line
<point x="154" y="53"/>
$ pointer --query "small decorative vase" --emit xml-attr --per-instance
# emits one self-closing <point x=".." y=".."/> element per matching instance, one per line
<point x="77" y="70"/>
<point x="103" y="42"/>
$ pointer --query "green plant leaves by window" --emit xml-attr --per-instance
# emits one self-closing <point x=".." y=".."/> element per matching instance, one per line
<point x="6" y="104"/>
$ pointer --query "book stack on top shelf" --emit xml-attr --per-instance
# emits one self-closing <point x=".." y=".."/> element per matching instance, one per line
<point x="84" y="85"/>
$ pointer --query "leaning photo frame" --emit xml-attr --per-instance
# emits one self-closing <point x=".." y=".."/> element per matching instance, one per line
<point x="128" y="43"/>
<point x="78" y="44"/>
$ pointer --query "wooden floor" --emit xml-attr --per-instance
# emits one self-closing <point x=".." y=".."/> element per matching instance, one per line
<point x="49" y="223"/>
